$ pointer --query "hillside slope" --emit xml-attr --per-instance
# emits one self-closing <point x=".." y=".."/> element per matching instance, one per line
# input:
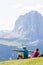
<point x="35" y="61"/>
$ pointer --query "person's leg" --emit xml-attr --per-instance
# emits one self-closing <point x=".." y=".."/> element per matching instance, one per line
<point x="19" y="56"/>
<point x="30" y="56"/>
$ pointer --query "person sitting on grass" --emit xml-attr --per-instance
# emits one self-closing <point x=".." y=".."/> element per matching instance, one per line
<point x="24" y="53"/>
<point x="35" y="53"/>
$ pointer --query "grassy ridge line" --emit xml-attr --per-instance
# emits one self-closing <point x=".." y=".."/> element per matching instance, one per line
<point x="34" y="61"/>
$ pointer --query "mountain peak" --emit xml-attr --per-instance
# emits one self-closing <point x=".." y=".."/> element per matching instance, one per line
<point x="30" y="25"/>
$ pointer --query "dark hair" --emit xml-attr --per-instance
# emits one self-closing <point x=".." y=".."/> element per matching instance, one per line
<point x="24" y="47"/>
<point x="37" y="49"/>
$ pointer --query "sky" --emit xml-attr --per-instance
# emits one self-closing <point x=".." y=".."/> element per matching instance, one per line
<point x="10" y="10"/>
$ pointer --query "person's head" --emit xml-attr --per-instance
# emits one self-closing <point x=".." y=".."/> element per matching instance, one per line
<point x="24" y="47"/>
<point x="37" y="49"/>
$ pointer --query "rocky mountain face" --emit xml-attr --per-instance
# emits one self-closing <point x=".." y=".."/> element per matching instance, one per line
<point x="30" y="26"/>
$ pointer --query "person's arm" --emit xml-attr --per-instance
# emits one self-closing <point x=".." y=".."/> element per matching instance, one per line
<point x="15" y="50"/>
<point x="21" y="50"/>
<point x="18" y="50"/>
<point x="31" y="51"/>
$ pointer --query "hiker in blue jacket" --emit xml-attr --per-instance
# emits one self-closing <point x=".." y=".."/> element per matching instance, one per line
<point x="24" y="53"/>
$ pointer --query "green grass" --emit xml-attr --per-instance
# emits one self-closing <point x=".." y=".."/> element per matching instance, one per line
<point x="34" y="61"/>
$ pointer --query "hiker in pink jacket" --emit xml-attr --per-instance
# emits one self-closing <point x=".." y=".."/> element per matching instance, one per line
<point x="35" y="53"/>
